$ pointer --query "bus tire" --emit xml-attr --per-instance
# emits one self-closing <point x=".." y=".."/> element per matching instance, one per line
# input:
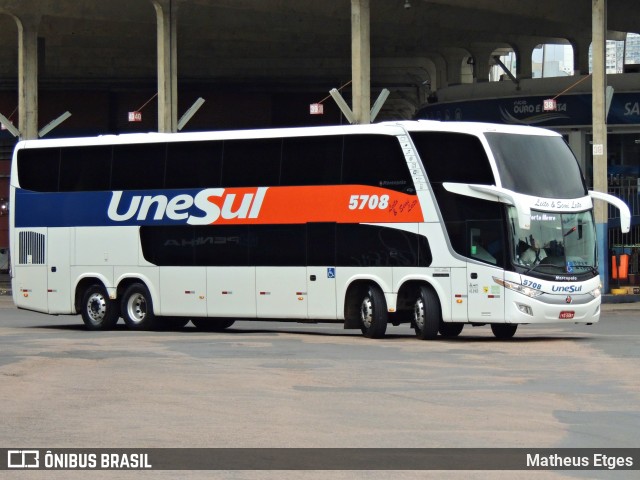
<point x="450" y="329"/>
<point x="373" y="313"/>
<point x="212" y="324"/>
<point x="137" y="308"/>
<point x="504" y="331"/>
<point x="98" y="311"/>
<point x="427" y="317"/>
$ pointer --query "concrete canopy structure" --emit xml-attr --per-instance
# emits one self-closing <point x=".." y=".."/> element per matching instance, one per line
<point x="272" y="46"/>
<point x="260" y="63"/>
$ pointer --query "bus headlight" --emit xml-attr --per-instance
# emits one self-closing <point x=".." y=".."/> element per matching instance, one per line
<point x="596" y="292"/>
<point x="516" y="287"/>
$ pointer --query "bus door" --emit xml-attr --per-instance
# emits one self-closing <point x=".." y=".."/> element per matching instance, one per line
<point x="321" y="293"/>
<point x="58" y="276"/>
<point x="321" y="272"/>
<point x="485" y="302"/>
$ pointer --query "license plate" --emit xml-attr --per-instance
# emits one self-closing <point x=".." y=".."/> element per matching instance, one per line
<point x="566" y="315"/>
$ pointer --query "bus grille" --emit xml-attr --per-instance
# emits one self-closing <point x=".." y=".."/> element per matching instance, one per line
<point x="31" y="248"/>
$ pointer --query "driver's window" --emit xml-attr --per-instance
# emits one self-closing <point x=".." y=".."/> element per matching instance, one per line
<point x="486" y="242"/>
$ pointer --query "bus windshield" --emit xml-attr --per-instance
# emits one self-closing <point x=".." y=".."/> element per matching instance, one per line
<point x="538" y="165"/>
<point x="557" y="243"/>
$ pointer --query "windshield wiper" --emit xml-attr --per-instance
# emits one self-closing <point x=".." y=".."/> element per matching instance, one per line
<point x="544" y="265"/>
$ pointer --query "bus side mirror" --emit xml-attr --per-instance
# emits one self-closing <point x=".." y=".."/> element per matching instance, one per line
<point x="494" y="194"/>
<point x="625" y="214"/>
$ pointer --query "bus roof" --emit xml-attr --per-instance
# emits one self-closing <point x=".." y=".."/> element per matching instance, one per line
<point x="384" y="128"/>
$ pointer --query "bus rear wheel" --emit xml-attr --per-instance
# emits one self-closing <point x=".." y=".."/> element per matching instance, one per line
<point x="137" y="308"/>
<point x="373" y="313"/>
<point x="98" y="311"/>
<point x="426" y="314"/>
<point x="212" y="324"/>
<point x="504" y="331"/>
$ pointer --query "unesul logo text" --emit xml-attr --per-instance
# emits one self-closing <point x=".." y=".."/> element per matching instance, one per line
<point x="210" y="205"/>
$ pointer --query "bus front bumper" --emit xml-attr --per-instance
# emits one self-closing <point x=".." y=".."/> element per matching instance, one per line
<point x="549" y="308"/>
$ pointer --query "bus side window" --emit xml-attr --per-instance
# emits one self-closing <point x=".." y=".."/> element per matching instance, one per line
<point x="39" y="169"/>
<point x="138" y="167"/>
<point x="193" y="164"/>
<point x="311" y="160"/>
<point x="278" y="245"/>
<point x="85" y="168"/>
<point x="486" y="241"/>
<point x="376" y="160"/>
<point x="251" y="163"/>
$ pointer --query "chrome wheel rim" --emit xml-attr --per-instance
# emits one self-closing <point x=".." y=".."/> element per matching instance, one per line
<point x="137" y="307"/>
<point x="96" y="307"/>
<point x="366" y="312"/>
<point x="418" y="314"/>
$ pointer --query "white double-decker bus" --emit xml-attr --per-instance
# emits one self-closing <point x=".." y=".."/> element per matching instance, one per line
<point x="439" y="225"/>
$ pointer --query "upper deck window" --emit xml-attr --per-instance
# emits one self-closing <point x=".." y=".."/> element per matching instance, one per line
<point x="537" y="165"/>
<point x="453" y="157"/>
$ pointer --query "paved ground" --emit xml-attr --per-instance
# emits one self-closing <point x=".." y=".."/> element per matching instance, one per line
<point x="296" y="385"/>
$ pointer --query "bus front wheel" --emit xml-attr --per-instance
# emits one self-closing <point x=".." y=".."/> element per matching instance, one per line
<point x="504" y="331"/>
<point x="426" y="314"/>
<point x="98" y="311"/>
<point x="137" y="308"/>
<point x="373" y="313"/>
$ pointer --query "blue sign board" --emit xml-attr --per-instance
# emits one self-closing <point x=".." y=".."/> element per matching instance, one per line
<point x="572" y="110"/>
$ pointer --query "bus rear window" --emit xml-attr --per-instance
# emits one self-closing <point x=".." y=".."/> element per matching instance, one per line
<point x="39" y="169"/>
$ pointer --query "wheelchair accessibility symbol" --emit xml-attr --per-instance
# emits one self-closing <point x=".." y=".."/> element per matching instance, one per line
<point x="331" y="272"/>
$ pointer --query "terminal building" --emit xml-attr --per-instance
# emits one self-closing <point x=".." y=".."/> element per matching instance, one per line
<point x="138" y="65"/>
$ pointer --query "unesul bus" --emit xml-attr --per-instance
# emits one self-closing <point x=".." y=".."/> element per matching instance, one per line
<point x="439" y="225"/>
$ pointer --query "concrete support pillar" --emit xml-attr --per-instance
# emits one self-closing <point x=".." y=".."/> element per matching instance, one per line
<point x="167" y="41"/>
<point x="28" y="75"/>
<point x="577" y="142"/>
<point x="454" y="66"/>
<point x="361" y="60"/>
<point x="481" y="63"/>
<point x="524" y="64"/>
<point x="581" y="55"/>
<point x="441" y="73"/>
<point x="599" y="34"/>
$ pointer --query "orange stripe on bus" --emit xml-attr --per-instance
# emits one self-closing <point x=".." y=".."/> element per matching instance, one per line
<point x="339" y="203"/>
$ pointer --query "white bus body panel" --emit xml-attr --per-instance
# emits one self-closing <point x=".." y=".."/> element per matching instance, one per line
<point x="231" y="292"/>
<point x="281" y="292"/>
<point x="59" y="248"/>
<point x="459" y="296"/>
<point x="107" y="245"/>
<point x="183" y="292"/>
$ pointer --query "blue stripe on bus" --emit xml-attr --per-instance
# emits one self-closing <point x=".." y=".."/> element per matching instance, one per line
<point x="82" y="209"/>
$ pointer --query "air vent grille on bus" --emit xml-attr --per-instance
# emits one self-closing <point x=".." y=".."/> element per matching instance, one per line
<point x="31" y="248"/>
